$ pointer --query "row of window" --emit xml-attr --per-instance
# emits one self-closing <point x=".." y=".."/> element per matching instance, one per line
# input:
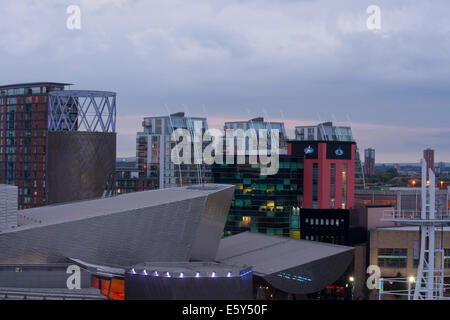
<point x="329" y="239"/>
<point x="397" y="258"/>
<point x="324" y="221"/>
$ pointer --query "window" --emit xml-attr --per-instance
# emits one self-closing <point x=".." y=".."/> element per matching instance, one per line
<point x="344" y="186"/>
<point x="447" y="258"/>
<point x="332" y="184"/>
<point x="315" y="181"/>
<point x="392" y="257"/>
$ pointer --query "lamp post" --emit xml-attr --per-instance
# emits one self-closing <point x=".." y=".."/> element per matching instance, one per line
<point x="410" y="281"/>
<point x="352" y="280"/>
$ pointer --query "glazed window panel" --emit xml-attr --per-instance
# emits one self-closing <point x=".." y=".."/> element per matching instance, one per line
<point x="392" y="257"/>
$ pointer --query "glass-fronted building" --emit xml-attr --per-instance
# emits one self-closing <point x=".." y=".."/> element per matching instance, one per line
<point x="154" y="147"/>
<point x="262" y="203"/>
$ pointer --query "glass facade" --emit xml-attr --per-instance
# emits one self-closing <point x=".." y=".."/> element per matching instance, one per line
<point x="154" y="147"/>
<point x="262" y="203"/>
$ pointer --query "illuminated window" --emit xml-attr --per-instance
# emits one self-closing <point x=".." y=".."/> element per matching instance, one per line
<point x="332" y="184"/>
<point x="344" y="186"/>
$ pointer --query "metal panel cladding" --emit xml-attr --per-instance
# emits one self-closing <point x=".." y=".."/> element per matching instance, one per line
<point x="79" y="164"/>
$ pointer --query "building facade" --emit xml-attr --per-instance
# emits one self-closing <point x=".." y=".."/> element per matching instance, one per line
<point x="129" y="178"/>
<point x="396" y="250"/>
<point x="262" y="203"/>
<point x="154" y="147"/>
<point x="329" y="173"/>
<point x="33" y="118"/>
<point x="328" y="132"/>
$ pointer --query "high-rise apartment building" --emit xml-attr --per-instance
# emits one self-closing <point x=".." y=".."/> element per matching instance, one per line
<point x="56" y="145"/>
<point x="328" y="132"/>
<point x="154" y="147"/>
<point x="259" y="124"/>
<point x="369" y="161"/>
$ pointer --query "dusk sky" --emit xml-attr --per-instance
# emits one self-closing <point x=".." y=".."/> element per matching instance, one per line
<point x="301" y="62"/>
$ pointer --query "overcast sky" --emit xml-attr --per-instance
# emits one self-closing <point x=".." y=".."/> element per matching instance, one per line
<point x="301" y="62"/>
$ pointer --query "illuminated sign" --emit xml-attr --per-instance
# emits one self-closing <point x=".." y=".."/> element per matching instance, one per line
<point x="309" y="150"/>
<point x="339" y="152"/>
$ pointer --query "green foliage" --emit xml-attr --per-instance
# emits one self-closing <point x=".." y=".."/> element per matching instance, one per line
<point x="389" y="176"/>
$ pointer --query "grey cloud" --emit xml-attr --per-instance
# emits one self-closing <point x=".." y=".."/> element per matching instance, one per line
<point x="298" y="57"/>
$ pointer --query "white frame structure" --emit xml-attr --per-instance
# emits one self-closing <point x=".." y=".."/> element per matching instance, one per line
<point x="429" y="283"/>
<point x="82" y="110"/>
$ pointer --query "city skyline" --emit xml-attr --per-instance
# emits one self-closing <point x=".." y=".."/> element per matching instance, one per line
<point x="301" y="62"/>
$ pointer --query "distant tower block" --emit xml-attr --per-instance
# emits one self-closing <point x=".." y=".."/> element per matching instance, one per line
<point x="8" y="206"/>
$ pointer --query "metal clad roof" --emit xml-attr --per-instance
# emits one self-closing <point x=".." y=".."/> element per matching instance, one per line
<point x="61" y="213"/>
<point x="269" y="254"/>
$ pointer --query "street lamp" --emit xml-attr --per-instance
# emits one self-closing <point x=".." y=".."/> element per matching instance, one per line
<point x="352" y="287"/>
<point x="411" y="280"/>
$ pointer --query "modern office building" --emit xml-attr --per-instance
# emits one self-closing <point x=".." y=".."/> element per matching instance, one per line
<point x="328" y="189"/>
<point x="154" y="146"/>
<point x="143" y="245"/>
<point x="262" y="203"/>
<point x="369" y="161"/>
<point x="428" y="155"/>
<point x="56" y="144"/>
<point x="328" y="132"/>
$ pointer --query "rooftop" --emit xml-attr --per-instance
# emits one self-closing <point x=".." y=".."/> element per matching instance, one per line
<point x="54" y="214"/>
<point x="269" y="254"/>
<point x="34" y="84"/>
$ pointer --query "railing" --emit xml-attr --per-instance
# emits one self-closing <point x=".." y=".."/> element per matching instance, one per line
<point x="411" y="215"/>
<point x="409" y="292"/>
